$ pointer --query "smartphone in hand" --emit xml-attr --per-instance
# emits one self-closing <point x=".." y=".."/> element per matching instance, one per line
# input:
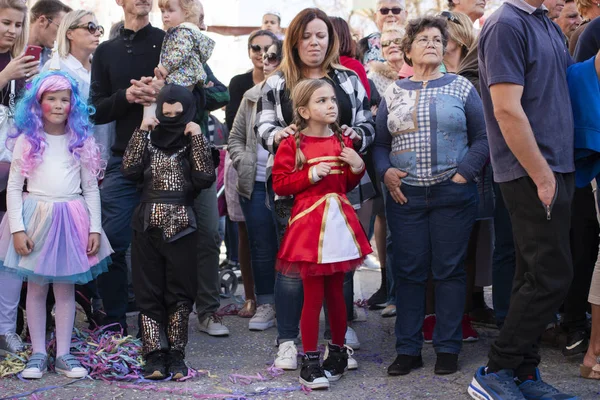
<point x="35" y="51"/>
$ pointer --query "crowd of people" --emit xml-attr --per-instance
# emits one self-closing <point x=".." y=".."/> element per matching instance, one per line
<point x="466" y="148"/>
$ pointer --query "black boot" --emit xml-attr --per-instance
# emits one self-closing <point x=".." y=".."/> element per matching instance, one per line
<point x="155" y="367"/>
<point x="177" y="334"/>
<point x="312" y="374"/>
<point x="177" y="365"/>
<point x="336" y="363"/>
<point x="156" y="359"/>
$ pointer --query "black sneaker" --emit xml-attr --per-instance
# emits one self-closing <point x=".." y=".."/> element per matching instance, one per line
<point x="177" y="366"/>
<point x="155" y="367"/>
<point x="378" y="300"/>
<point x="336" y="363"/>
<point x="577" y="343"/>
<point x="446" y="364"/>
<point x="312" y="375"/>
<point x="403" y="364"/>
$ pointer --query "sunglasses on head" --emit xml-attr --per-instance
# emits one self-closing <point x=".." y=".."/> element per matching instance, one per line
<point x="258" y="49"/>
<point x="394" y="10"/>
<point x="450" y="17"/>
<point x="386" y="43"/>
<point x="270" y="57"/>
<point x="91" y="27"/>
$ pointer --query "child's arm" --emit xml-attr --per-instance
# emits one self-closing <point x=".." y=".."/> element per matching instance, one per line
<point x="356" y="167"/>
<point x="288" y="181"/>
<point x="133" y="159"/>
<point x="14" y="189"/>
<point x="203" y="169"/>
<point x="91" y="195"/>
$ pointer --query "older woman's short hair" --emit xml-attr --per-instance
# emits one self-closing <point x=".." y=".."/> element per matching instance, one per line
<point x="68" y="22"/>
<point x="418" y="25"/>
<point x="583" y="6"/>
<point x="401" y="3"/>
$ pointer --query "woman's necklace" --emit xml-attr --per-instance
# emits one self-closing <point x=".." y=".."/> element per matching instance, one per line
<point x="424" y="83"/>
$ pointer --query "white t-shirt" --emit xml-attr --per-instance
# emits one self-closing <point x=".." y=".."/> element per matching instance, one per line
<point x="58" y="177"/>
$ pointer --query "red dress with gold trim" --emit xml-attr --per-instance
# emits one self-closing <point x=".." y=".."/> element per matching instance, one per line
<point x="324" y="235"/>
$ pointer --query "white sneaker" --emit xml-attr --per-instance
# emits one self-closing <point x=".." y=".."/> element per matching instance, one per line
<point x="263" y="319"/>
<point x="371" y="263"/>
<point x="352" y="363"/>
<point x="287" y="356"/>
<point x="352" y="339"/>
<point x="389" y="311"/>
<point x="213" y="325"/>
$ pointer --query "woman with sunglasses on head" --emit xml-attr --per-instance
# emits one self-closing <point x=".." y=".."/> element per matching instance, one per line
<point x="77" y="38"/>
<point x="246" y="191"/>
<point x="462" y="37"/>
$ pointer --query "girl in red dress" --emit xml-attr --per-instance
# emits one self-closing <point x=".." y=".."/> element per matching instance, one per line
<point x="324" y="239"/>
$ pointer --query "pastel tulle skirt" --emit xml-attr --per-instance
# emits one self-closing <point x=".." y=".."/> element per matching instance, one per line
<point x="60" y="232"/>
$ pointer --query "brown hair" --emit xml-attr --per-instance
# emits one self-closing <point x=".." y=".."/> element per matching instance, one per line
<point x="416" y="26"/>
<point x="48" y="8"/>
<point x="300" y="98"/>
<point x="291" y="65"/>
<point x="191" y="9"/>
<point x="347" y="44"/>
<point x="21" y="40"/>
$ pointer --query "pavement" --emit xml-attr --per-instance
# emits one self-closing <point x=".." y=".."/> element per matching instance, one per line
<point x="249" y="353"/>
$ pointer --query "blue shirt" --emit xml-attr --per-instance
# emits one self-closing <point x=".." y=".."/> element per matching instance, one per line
<point x="431" y="131"/>
<point x="520" y="45"/>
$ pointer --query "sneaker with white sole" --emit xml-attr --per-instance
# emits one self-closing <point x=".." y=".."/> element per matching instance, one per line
<point x="351" y="339"/>
<point x="263" y="319"/>
<point x="11" y="343"/>
<point x="69" y="366"/>
<point x="287" y="356"/>
<point x="213" y="325"/>
<point x="36" y="366"/>
<point x="389" y="311"/>
<point x="352" y="363"/>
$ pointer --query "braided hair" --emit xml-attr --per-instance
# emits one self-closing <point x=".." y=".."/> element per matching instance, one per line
<point x="300" y="98"/>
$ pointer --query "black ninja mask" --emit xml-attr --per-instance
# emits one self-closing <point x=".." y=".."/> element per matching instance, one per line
<point x="170" y="133"/>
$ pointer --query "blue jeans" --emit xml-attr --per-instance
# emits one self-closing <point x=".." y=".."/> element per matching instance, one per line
<point x="231" y="239"/>
<point x="263" y="242"/>
<point x="431" y="233"/>
<point x="389" y="251"/>
<point x="119" y="198"/>
<point x="504" y="263"/>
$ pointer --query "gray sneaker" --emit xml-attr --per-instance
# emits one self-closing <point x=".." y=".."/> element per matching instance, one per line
<point x="70" y="366"/>
<point x="36" y="366"/>
<point x="11" y="343"/>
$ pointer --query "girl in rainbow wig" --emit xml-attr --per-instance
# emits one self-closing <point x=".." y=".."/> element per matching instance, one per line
<point x="52" y="233"/>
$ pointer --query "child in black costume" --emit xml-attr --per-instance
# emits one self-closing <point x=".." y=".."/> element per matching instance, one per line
<point x="171" y="159"/>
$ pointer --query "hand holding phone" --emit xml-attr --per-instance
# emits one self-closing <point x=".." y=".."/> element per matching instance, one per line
<point x="35" y="51"/>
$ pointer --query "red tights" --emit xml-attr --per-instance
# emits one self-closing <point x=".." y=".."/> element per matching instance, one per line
<point x="315" y="288"/>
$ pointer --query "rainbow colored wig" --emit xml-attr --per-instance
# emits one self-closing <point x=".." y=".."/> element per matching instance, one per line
<point x="29" y="122"/>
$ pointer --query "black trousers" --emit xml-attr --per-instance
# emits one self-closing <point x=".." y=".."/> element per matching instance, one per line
<point x="543" y="274"/>
<point x="584" y="248"/>
<point x="164" y="274"/>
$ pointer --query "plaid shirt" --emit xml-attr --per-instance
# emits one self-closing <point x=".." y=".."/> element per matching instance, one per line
<point x="269" y="120"/>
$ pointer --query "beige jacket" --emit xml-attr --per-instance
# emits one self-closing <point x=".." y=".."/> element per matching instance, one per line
<point x="242" y="142"/>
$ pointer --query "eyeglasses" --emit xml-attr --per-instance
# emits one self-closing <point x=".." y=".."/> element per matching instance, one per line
<point x="270" y="57"/>
<point x="91" y="27"/>
<point x="258" y="49"/>
<point x="386" y="11"/>
<point x="387" y="43"/>
<point x="52" y="21"/>
<point x="450" y="17"/>
<point x="424" y="42"/>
